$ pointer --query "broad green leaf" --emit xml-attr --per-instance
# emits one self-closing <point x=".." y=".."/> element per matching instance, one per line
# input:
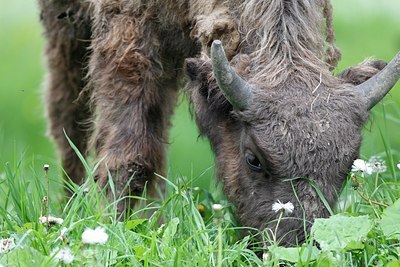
<point x="390" y="222"/>
<point x="329" y="259"/>
<point x="394" y="264"/>
<point x="339" y="231"/>
<point x="296" y="254"/>
<point x="355" y="245"/>
<point x="26" y="256"/>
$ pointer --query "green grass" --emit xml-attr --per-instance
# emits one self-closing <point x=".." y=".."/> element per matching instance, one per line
<point x="174" y="231"/>
<point x="177" y="234"/>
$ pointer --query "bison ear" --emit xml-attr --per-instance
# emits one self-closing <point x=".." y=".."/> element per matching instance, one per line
<point x="360" y="73"/>
<point x="199" y="74"/>
<point x="203" y="88"/>
<point x="197" y="70"/>
<point x="375" y="88"/>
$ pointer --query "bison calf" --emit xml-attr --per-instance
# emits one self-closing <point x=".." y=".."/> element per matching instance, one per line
<point x="276" y="117"/>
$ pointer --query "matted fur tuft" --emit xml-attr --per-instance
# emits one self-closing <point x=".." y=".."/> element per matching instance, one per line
<point x="286" y="39"/>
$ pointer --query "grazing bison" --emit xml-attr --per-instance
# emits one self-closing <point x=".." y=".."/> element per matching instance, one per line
<point x="280" y="124"/>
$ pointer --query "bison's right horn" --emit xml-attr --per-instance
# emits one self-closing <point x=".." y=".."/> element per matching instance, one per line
<point x="375" y="88"/>
<point x="236" y="90"/>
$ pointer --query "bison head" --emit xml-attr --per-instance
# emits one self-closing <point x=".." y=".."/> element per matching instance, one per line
<point x="289" y="143"/>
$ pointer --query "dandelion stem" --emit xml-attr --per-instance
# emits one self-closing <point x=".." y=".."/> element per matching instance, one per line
<point x="219" y="263"/>
<point x="46" y="170"/>
<point x="372" y="201"/>
<point x="219" y="218"/>
<point x="277" y="225"/>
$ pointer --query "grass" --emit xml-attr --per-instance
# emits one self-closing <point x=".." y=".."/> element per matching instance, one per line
<point x="182" y="229"/>
<point x="184" y="239"/>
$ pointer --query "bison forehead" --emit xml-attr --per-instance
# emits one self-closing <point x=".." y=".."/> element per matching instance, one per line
<point x="302" y="105"/>
<point x="300" y="139"/>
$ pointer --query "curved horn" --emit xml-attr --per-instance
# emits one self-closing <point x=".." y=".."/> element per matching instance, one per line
<point x="236" y="90"/>
<point x="375" y="88"/>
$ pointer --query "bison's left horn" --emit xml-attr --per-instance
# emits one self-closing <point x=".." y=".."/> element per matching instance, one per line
<point x="236" y="90"/>
<point x="380" y="84"/>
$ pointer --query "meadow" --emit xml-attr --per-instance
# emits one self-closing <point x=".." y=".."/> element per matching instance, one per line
<point x="190" y="235"/>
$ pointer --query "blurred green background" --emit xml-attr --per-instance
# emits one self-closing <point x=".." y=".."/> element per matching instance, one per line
<point x="364" y="28"/>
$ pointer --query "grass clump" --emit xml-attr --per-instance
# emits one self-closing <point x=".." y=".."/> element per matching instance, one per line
<point x="172" y="232"/>
<point x="191" y="226"/>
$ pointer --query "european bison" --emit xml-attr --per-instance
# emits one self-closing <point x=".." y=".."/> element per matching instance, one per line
<point x="277" y="119"/>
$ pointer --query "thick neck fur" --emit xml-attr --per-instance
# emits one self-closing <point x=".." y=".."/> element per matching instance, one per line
<point x="286" y="42"/>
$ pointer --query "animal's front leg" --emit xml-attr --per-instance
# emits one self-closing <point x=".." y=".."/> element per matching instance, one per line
<point x="133" y="103"/>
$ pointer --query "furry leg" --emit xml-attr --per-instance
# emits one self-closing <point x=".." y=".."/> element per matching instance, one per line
<point x="67" y="29"/>
<point x="134" y="99"/>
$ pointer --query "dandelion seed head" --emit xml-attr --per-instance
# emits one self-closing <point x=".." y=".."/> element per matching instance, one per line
<point x="50" y="220"/>
<point x="96" y="236"/>
<point x="217" y="207"/>
<point x="376" y="165"/>
<point x="6" y="245"/>
<point x="64" y="255"/>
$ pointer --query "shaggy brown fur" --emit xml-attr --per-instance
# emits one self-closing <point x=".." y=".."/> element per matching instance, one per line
<point x="303" y="123"/>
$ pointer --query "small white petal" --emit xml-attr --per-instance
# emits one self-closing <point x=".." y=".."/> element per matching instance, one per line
<point x="96" y="236"/>
<point x="288" y="207"/>
<point x="277" y="206"/>
<point x="398" y="166"/>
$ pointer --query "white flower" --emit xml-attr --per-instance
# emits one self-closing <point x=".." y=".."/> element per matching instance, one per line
<point x="65" y="255"/>
<point x="6" y="245"/>
<point x="362" y="166"/>
<point x="287" y="207"/>
<point x="398" y="165"/>
<point x="96" y="236"/>
<point x="51" y="220"/>
<point x="376" y="165"/>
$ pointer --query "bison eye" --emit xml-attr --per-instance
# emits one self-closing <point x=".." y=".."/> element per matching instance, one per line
<point x="253" y="162"/>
